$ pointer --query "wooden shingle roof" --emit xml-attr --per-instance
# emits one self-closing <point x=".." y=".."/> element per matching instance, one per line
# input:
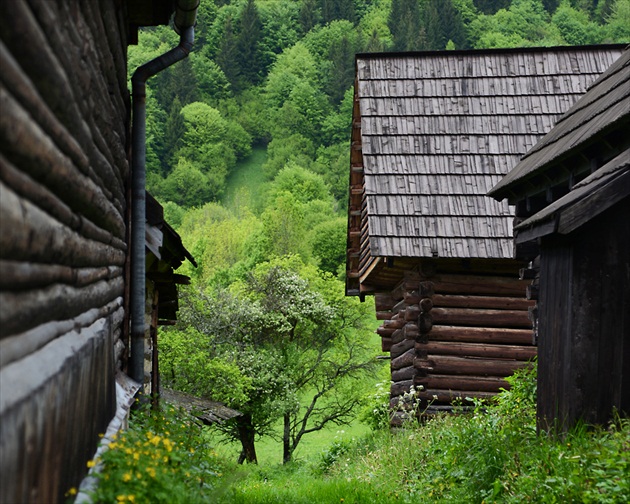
<point x="605" y="107"/>
<point x="435" y="131"/>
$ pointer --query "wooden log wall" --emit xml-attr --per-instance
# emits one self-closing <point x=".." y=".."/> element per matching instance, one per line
<point x="455" y="335"/>
<point x="63" y="169"/>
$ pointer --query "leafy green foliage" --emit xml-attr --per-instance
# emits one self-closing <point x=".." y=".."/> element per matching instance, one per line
<point x="279" y="332"/>
<point x="286" y="85"/>
<point x="163" y="457"/>
<point x="490" y="455"/>
<point x="280" y="73"/>
<point x="329" y="245"/>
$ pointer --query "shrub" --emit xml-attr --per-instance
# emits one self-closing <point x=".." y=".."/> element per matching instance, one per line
<point x="162" y="458"/>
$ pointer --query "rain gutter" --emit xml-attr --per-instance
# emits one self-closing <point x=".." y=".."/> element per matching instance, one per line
<point x="184" y="20"/>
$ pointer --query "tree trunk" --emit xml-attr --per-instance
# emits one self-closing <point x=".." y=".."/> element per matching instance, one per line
<point x="286" y="440"/>
<point x="246" y="435"/>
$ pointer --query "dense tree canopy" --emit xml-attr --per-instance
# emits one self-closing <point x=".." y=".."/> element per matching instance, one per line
<point x="274" y="69"/>
<point x="265" y="325"/>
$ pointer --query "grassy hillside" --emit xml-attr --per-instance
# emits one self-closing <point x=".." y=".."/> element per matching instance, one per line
<point x="244" y="183"/>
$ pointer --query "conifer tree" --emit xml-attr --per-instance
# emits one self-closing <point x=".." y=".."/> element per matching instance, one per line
<point x="342" y="71"/>
<point x="309" y="15"/>
<point x="174" y="130"/>
<point x="247" y="50"/>
<point x="338" y="9"/>
<point x="491" y="6"/>
<point x="226" y="56"/>
<point x="442" y="23"/>
<point x="551" y="5"/>
<point x="405" y="25"/>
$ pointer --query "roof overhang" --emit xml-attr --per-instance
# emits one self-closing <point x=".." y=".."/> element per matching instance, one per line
<point x="588" y="199"/>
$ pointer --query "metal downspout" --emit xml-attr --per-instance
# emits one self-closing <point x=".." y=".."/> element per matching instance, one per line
<point x="185" y="15"/>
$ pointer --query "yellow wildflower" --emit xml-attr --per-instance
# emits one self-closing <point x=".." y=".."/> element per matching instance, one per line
<point x="72" y="491"/>
<point x="126" y="477"/>
<point x="151" y="471"/>
<point x="136" y="456"/>
<point x="91" y="463"/>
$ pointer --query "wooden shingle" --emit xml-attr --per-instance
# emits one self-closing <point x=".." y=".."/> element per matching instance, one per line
<point x="605" y="105"/>
<point x="440" y="130"/>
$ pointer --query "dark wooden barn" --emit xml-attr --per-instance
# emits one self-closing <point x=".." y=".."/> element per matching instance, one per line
<point x="572" y="197"/>
<point x="64" y="237"/>
<point x="432" y="133"/>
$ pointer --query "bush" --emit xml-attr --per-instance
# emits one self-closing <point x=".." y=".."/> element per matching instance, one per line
<point x="162" y="458"/>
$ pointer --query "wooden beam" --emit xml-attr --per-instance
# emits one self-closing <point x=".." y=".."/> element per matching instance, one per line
<point x="449" y="365"/>
<point x="491" y="351"/>
<point x="493" y="302"/>
<point x="480" y="317"/>
<point x="461" y="383"/>
<point x="403" y="360"/>
<point x="481" y="335"/>
<point x="479" y="284"/>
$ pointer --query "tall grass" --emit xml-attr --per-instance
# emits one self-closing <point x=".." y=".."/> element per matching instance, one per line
<point x="492" y="454"/>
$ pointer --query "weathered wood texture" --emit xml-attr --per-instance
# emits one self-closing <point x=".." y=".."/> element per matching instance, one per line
<point x="572" y="193"/>
<point x="584" y="323"/>
<point x="452" y="346"/>
<point x="434" y="132"/>
<point x="590" y="118"/>
<point x="64" y="139"/>
<point x="53" y="405"/>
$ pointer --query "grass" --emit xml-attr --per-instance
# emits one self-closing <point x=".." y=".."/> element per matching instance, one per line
<point x="491" y="455"/>
<point x="244" y="183"/>
<point x="312" y="445"/>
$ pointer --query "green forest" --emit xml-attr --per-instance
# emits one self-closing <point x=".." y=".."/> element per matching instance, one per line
<point x="248" y="152"/>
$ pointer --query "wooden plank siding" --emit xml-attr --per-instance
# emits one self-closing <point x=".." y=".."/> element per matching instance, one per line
<point x="584" y="323"/>
<point x="433" y="133"/>
<point x="572" y="193"/>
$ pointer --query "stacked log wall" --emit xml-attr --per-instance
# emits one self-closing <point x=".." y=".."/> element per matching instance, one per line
<point x="455" y="336"/>
<point x="63" y="167"/>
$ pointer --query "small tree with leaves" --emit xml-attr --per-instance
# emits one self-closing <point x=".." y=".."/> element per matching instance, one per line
<point x="282" y="343"/>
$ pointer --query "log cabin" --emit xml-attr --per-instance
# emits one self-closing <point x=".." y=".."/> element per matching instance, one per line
<point x="432" y="133"/>
<point x="65" y="231"/>
<point x="571" y="194"/>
